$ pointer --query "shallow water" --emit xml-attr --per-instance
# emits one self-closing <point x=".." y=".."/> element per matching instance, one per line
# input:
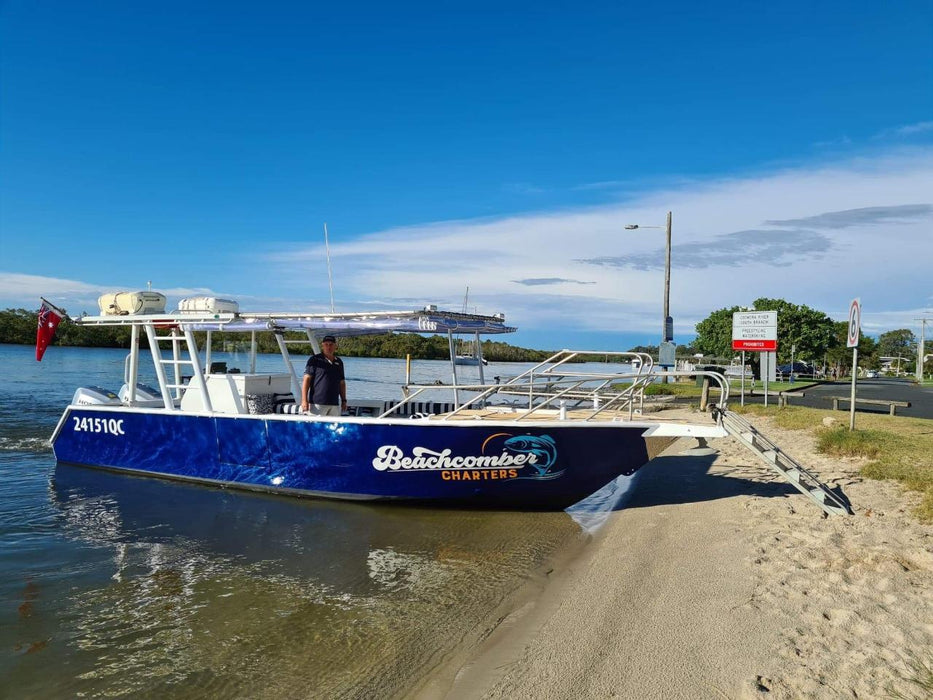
<point x="112" y="585"/>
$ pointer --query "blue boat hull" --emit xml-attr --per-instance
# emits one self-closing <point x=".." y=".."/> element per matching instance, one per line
<point x="474" y="463"/>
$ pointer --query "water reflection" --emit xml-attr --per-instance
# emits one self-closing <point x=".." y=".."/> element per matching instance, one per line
<point x="208" y="591"/>
<point x="328" y="541"/>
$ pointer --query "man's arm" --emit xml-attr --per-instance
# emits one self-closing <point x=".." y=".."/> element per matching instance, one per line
<point x="305" y="390"/>
<point x="343" y="394"/>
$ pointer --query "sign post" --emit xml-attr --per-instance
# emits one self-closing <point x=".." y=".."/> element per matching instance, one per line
<point x="755" y="331"/>
<point x="667" y="355"/>
<point x="855" y="322"/>
<point x="743" y="378"/>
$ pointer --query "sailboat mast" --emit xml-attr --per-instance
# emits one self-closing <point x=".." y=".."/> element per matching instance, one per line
<point x="330" y="277"/>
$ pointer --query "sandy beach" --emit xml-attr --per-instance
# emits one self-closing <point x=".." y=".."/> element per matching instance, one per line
<point x="719" y="580"/>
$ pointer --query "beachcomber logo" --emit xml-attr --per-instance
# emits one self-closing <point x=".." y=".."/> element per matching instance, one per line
<point x="501" y="456"/>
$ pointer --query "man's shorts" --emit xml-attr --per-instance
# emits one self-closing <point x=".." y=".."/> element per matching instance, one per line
<point x="323" y="409"/>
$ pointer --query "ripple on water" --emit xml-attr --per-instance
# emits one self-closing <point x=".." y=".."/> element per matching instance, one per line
<point x="25" y="443"/>
<point x="169" y="589"/>
<point x="119" y="586"/>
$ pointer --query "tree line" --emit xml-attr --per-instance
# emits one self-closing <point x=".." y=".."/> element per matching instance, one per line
<point x="815" y="337"/>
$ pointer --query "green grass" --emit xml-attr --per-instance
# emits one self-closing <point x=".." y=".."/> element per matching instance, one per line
<point x="843" y="442"/>
<point x="784" y="386"/>
<point x="899" y="448"/>
<point x="674" y="389"/>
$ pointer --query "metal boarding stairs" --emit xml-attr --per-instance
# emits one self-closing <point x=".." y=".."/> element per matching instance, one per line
<point x="804" y="481"/>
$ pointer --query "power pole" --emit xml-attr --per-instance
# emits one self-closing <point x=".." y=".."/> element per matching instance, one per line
<point x="666" y="330"/>
<point x="920" y="354"/>
<point x="667" y="324"/>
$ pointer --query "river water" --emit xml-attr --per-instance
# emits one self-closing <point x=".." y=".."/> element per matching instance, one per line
<point x="117" y="586"/>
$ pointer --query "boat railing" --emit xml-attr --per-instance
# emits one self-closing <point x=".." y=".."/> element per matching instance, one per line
<point x="553" y="364"/>
<point x="557" y="387"/>
<point x="559" y="384"/>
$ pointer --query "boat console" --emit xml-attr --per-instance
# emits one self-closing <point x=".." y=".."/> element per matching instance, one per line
<point x="239" y="393"/>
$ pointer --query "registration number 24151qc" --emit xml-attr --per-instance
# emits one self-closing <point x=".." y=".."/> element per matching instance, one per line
<point x="111" y="426"/>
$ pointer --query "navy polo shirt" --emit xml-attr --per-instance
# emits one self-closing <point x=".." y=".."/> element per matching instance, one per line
<point x="326" y="376"/>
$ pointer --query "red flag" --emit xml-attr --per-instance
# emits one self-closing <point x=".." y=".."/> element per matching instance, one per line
<point x="49" y="317"/>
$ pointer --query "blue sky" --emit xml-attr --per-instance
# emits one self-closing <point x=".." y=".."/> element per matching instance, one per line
<point x="500" y="146"/>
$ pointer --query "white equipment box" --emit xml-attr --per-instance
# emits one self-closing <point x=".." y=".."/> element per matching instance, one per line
<point x="126" y="303"/>
<point x="209" y="305"/>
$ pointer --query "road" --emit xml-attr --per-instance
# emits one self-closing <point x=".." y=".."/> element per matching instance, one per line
<point x="889" y="388"/>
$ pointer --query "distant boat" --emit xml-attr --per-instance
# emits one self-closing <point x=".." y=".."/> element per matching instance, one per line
<point x="468" y="354"/>
<point x="469" y="360"/>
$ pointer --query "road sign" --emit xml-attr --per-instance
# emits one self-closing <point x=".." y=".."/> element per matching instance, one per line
<point x="755" y="345"/>
<point x="855" y="322"/>
<point x="754" y="330"/>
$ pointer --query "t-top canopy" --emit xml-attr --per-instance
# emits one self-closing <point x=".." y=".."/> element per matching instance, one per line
<point x="428" y="320"/>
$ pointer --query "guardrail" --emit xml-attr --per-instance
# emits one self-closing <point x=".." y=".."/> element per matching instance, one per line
<point x="892" y="405"/>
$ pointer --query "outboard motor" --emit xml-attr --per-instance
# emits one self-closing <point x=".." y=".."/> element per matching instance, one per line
<point x="94" y="396"/>
<point x="146" y="395"/>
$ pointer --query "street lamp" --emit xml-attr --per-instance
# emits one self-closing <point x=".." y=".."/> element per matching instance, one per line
<point x="667" y="323"/>
<point x="921" y="357"/>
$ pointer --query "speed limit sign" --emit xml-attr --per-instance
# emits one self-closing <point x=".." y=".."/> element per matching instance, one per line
<point x="855" y="322"/>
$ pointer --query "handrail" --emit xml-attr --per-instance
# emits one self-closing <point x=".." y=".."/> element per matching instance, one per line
<point x="547" y="387"/>
<point x="644" y="360"/>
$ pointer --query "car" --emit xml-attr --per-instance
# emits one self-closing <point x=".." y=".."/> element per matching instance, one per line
<point x="799" y="369"/>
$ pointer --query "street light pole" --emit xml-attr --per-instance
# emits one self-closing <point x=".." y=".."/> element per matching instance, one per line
<point x="667" y="323"/>
<point x="665" y="331"/>
<point x="920" y="348"/>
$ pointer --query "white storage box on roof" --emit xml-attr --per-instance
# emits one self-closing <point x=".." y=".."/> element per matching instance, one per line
<point x="208" y="305"/>
<point x="125" y="303"/>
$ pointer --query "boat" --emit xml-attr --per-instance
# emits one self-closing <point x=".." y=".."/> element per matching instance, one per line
<point x="544" y="439"/>
<point x="470" y="360"/>
<point x="470" y="354"/>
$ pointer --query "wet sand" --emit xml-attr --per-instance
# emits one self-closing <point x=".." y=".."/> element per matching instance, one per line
<point x="720" y="580"/>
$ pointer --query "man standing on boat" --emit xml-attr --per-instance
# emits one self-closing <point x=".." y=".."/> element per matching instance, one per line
<point x="323" y="383"/>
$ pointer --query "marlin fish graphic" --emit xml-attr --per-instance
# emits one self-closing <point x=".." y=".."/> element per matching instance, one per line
<point x="541" y="446"/>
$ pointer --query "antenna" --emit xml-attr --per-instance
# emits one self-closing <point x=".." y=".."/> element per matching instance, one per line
<point x="466" y="300"/>
<point x="330" y="277"/>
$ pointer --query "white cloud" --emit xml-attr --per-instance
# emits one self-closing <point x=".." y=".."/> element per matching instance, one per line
<point x="812" y="235"/>
<point x="815" y="235"/>
<point x="523" y="188"/>
<point x="605" y="185"/>
<point x="834" y="143"/>
<point x="907" y="130"/>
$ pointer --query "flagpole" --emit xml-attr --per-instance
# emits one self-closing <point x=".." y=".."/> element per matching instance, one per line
<point x="49" y="318"/>
<point x="53" y="307"/>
